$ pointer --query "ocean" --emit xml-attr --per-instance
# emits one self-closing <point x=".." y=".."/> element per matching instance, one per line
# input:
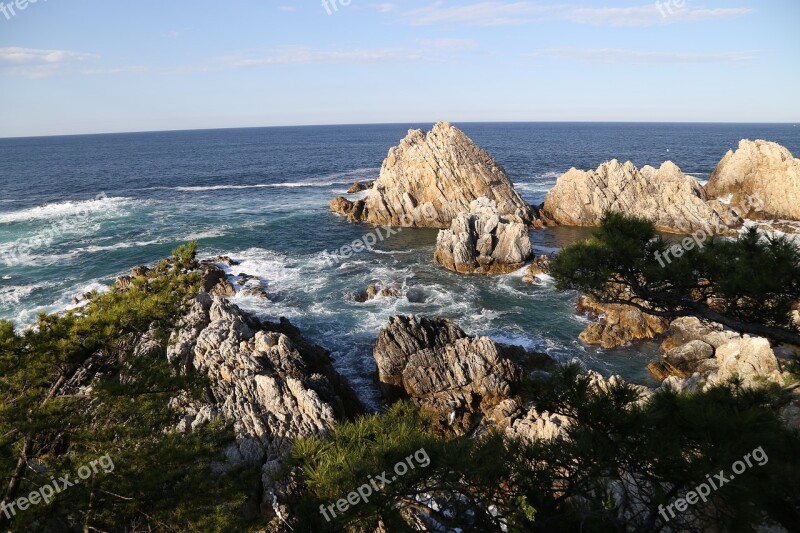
<point x="77" y="211"/>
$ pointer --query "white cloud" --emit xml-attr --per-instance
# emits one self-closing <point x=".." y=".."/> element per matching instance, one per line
<point x="616" y="55"/>
<point x="287" y="9"/>
<point x="37" y="63"/>
<point x="384" y="7"/>
<point x="500" y="13"/>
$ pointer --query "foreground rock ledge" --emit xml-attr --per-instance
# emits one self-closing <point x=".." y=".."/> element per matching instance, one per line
<point x="428" y="179"/>
<point x="483" y="242"/>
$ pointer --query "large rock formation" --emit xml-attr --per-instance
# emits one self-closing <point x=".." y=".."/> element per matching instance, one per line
<point x="617" y="324"/>
<point x="459" y="378"/>
<point x="674" y="201"/>
<point x="483" y="242"/>
<point x="429" y="179"/>
<point x="764" y="171"/>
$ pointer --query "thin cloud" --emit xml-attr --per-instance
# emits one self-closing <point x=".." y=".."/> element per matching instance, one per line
<point x="498" y="13"/>
<point x="298" y="55"/>
<point x="39" y="63"/>
<point x="616" y="55"/>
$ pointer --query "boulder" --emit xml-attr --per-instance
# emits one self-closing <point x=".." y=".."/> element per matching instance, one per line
<point x="761" y="175"/>
<point x="538" y="267"/>
<point x="751" y="359"/>
<point x="430" y="178"/>
<point x="706" y="354"/>
<point x="617" y="324"/>
<point x="358" y="187"/>
<point x="440" y="368"/>
<point x="350" y="210"/>
<point x="483" y="242"/>
<point x="674" y="201"/>
<point x="373" y="291"/>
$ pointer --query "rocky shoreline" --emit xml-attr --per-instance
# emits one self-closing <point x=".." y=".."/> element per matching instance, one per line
<point x="275" y="387"/>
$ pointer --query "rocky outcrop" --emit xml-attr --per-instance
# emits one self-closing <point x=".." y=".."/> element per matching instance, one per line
<point x="617" y="324"/>
<point x="440" y="368"/>
<point x="430" y="178"/>
<point x="674" y="201"/>
<point x="766" y="172"/>
<point x="266" y="380"/>
<point x="698" y="355"/>
<point x="358" y="186"/>
<point x="375" y="291"/>
<point x="540" y="266"/>
<point x="483" y="242"/>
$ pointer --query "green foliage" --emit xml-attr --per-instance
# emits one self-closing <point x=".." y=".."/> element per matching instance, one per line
<point x="617" y="448"/>
<point x="72" y="390"/>
<point x="465" y="475"/>
<point x="753" y="281"/>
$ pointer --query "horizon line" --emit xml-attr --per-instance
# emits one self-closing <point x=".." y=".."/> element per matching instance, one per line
<point x="187" y="130"/>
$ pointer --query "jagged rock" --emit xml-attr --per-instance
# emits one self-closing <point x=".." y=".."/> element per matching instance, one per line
<point x="372" y="291"/>
<point x="674" y="201"/>
<point x="140" y="271"/>
<point x="254" y="292"/>
<point x="688" y="328"/>
<point x="708" y="354"/>
<point x="764" y="171"/>
<point x="122" y="283"/>
<point x="435" y="364"/>
<point x="215" y="281"/>
<point x="429" y="179"/>
<point x="618" y="324"/>
<point x="539" y="266"/>
<point x="527" y="424"/>
<point x="483" y="242"/>
<point x="264" y="378"/>
<point x="346" y="208"/>
<point x="358" y="187"/>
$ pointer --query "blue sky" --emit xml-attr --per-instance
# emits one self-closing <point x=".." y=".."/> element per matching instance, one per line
<point x="82" y="66"/>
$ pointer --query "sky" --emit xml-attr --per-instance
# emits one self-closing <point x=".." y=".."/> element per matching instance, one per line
<point x="92" y="66"/>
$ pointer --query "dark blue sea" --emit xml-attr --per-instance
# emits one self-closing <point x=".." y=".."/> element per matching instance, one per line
<point x="77" y="211"/>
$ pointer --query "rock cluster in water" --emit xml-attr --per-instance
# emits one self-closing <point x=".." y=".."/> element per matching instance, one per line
<point x="431" y="178"/>
<point x="481" y="241"/>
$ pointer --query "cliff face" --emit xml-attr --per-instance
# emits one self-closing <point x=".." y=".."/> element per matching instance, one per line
<point x="673" y="200"/>
<point x="765" y="171"/>
<point x="429" y="178"/>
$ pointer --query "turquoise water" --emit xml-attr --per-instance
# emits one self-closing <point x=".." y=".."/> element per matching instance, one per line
<point x="261" y="196"/>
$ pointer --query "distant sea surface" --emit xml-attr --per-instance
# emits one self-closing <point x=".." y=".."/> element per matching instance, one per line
<point x="77" y="211"/>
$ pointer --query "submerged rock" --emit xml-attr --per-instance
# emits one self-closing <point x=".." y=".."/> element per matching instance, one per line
<point x="766" y="172"/>
<point x="483" y="242"/>
<point x="674" y="201"/>
<point x="430" y="178"/>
